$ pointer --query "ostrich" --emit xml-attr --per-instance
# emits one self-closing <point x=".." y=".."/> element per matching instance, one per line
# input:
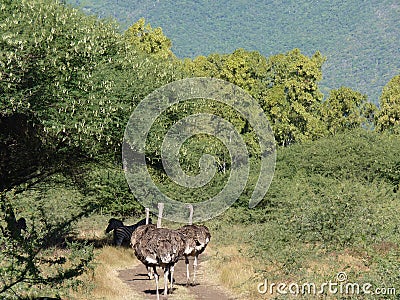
<point x="136" y="239"/>
<point x="197" y="238"/>
<point x="158" y="247"/>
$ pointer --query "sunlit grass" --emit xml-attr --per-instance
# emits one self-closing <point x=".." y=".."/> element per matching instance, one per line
<point x="232" y="270"/>
<point x="103" y="282"/>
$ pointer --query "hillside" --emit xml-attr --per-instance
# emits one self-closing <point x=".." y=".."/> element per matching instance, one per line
<point x="359" y="38"/>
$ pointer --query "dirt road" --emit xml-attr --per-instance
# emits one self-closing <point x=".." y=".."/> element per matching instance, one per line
<point x="138" y="281"/>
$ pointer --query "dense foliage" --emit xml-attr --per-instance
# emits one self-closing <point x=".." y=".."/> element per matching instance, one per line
<point x="68" y="84"/>
<point x="332" y="207"/>
<point x="388" y="118"/>
<point x="148" y="39"/>
<point x="287" y="88"/>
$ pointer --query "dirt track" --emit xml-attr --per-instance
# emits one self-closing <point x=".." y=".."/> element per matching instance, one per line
<point x="138" y="281"/>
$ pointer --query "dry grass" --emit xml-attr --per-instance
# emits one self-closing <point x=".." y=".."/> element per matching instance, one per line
<point x="232" y="270"/>
<point x="104" y="283"/>
<point x="104" y="280"/>
<point x="108" y="284"/>
<point x="230" y="267"/>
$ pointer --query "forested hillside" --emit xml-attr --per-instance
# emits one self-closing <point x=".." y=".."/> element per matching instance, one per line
<point x="359" y="38"/>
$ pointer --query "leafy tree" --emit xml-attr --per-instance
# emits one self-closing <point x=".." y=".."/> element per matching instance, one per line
<point x="286" y="86"/>
<point x="75" y="76"/>
<point x="346" y="109"/>
<point x="292" y="99"/>
<point x="388" y="117"/>
<point x="68" y="84"/>
<point x="202" y="66"/>
<point x="49" y="54"/>
<point x="148" y="39"/>
<point x="246" y="69"/>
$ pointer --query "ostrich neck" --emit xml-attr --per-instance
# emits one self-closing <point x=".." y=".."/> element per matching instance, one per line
<point x="191" y="215"/>
<point x="147" y="216"/>
<point x="160" y="212"/>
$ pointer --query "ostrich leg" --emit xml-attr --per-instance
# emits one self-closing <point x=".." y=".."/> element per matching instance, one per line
<point x="166" y="273"/>
<point x="149" y="272"/>
<point x="187" y="270"/>
<point x="156" y="278"/>
<point x="195" y="268"/>
<point x="172" y="269"/>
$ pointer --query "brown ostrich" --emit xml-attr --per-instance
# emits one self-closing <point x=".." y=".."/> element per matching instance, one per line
<point x="158" y="247"/>
<point x="197" y="238"/>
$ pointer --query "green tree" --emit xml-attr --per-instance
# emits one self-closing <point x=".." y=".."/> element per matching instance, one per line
<point x="286" y="86"/>
<point x="246" y="69"/>
<point x="73" y="76"/>
<point x="202" y="66"/>
<point x="388" y="117"/>
<point x="68" y="83"/>
<point x="346" y="109"/>
<point x="148" y="39"/>
<point x="291" y="97"/>
<point x="49" y="53"/>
